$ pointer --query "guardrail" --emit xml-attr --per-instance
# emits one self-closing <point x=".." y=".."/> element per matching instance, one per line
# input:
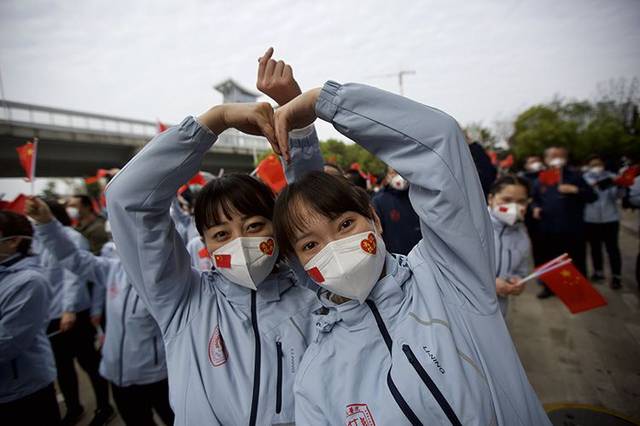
<point x="23" y="113"/>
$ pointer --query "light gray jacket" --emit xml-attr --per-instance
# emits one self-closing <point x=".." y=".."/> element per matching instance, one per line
<point x="430" y="345"/>
<point x="232" y="353"/>
<point x="605" y="208"/>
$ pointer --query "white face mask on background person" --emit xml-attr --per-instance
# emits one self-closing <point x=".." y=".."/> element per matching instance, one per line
<point x="509" y="213"/>
<point x="557" y="162"/>
<point x="596" y="170"/>
<point x="399" y="183"/>
<point x="246" y="261"/>
<point x="349" y="267"/>
<point x="535" y="167"/>
<point x="73" y="213"/>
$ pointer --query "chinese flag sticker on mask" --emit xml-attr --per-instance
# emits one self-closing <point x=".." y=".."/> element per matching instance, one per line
<point x="246" y="261"/>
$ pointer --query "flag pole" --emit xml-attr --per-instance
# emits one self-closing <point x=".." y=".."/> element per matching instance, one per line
<point x="33" y="167"/>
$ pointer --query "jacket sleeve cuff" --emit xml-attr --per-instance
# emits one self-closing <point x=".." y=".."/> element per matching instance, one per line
<point x="326" y="105"/>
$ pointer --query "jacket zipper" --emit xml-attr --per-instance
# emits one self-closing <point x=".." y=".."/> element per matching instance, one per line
<point x="509" y="257"/>
<point x="279" y="378"/>
<point x="440" y="399"/>
<point x="397" y="396"/>
<point x="500" y="251"/>
<point x="155" y="350"/>
<point x="14" y="367"/>
<point x="124" y="318"/>
<point x="135" y="305"/>
<point x="256" y="362"/>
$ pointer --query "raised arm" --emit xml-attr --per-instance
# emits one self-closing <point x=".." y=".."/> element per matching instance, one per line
<point x="428" y="149"/>
<point x="139" y="197"/>
<point x="275" y="79"/>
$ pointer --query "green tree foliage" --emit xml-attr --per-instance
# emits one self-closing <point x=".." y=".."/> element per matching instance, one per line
<point x="608" y="126"/>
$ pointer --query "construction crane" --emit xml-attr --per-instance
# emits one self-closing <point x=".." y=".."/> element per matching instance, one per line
<point x="400" y="75"/>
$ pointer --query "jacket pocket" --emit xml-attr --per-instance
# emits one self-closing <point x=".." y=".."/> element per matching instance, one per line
<point x="135" y="305"/>
<point x="279" y="356"/>
<point x="433" y="388"/>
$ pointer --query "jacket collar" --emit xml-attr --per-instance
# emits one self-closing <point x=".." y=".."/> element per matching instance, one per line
<point x="387" y="294"/>
<point x="269" y="290"/>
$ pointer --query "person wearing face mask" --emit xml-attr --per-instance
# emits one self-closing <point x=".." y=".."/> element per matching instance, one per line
<point x="400" y="223"/>
<point x="401" y="340"/>
<point x="234" y="336"/>
<point x="508" y="200"/>
<point x="27" y="368"/>
<point x="559" y="198"/>
<point x="87" y="222"/>
<point x="133" y="359"/>
<point x="602" y="220"/>
<point x="532" y="167"/>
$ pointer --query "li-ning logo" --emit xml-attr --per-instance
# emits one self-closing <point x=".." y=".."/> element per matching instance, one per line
<point x="434" y="359"/>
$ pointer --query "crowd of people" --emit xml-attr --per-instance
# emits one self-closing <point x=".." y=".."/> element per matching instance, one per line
<point x="326" y="304"/>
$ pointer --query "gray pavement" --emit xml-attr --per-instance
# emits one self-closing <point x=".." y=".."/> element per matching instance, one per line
<point x="591" y="358"/>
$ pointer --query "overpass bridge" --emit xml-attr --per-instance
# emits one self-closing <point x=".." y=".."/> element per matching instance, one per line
<point x="75" y="143"/>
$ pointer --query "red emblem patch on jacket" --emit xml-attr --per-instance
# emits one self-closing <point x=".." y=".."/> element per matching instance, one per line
<point x="394" y="215"/>
<point x="359" y="415"/>
<point x="217" y="351"/>
<point x="203" y="253"/>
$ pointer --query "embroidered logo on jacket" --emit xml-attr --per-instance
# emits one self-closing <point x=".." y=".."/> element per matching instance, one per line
<point x="217" y="351"/>
<point x="359" y="415"/>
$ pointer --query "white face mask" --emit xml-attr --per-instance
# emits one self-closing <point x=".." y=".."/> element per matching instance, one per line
<point x="535" y="167"/>
<point x="399" y="183"/>
<point x="349" y="267"/>
<point x="557" y="162"/>
<point x="596" y="170"/>
<point x="509" y="213"/>
<point x="246" y="261"/>
<point x="73" y="213"/>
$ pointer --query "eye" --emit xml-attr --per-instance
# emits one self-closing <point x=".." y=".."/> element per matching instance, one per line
<point x="346" y="224"/>
<point x="220" y="235"/>
<point x="309" y="246"/>
<point x="255" y="227"/>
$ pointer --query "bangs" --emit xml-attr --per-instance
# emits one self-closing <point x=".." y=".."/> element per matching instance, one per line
<point x="223" y="199"/>
<point x="318" y="194"/>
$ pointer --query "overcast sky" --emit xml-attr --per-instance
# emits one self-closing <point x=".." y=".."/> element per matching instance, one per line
<point x="480" y="61"/>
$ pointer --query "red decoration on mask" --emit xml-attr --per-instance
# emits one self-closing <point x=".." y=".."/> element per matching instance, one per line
<point x="267" y="247"/>
<point x="223" y="260"/>
<point x="316" y="275"/>
<point x="503" y="209"/>
<point x="203" y="253"/>
<point x="369" y="245"/>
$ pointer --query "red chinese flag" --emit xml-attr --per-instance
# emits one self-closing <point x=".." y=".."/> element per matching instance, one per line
<point x="17" y="205"/>
<point x="223" y="260"/>
<point x="270" y="172"/>
<point x="27" y="155"/>
<point x="507" y="162"/>
<point x="573" y="289"/>
<point x="161" y="126"/>
<point x="493" y="156"/>
<point x="549" y="177"/>
<point x="198" y="179"/>
<point x="627" y="177"/>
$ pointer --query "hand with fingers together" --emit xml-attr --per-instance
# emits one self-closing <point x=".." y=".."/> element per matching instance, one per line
<point x="275" y="79"/>
<point x="38" y="210"/>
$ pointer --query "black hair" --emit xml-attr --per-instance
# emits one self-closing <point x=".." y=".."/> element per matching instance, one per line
<point x="232" y="193"/>
<point x="594" y="157"/>
<point x="506" y="180"/>
<point x="14" y="224"/>
<point x="356" y="179"/>
<point x="59" y="212"/>
<point x="328" y="195"/>
<point x="85" y="200"/>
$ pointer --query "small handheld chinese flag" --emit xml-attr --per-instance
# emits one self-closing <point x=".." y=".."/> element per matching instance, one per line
<point x="27" y="155"/>
<point x="550" y="177"/>
<point x="270" y="172"/>
<point x="573" y="289"/>
<point x="161" y="127"/>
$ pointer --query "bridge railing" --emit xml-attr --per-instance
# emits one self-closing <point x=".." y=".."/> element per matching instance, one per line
<point x="70" y="120"/>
